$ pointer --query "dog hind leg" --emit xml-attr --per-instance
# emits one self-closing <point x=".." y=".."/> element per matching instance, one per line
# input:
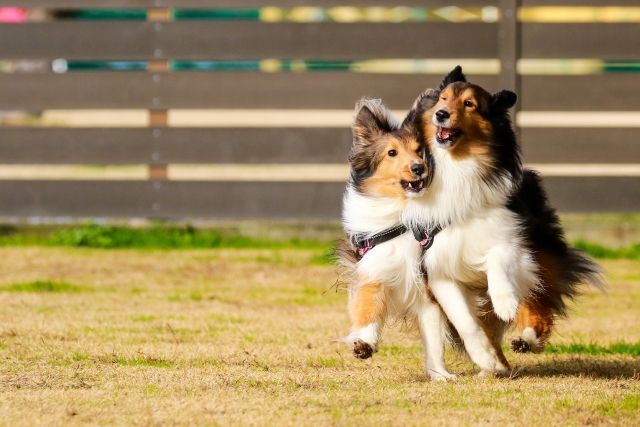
<point x="367" y="310"/>
<point x="535" y="321"/>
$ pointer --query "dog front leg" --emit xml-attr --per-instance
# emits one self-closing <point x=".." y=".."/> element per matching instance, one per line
<point x="502" y="265"/>
<point x="460" y="313"/>
<point x="433" y="332"/>
<point x="367" y="310"/>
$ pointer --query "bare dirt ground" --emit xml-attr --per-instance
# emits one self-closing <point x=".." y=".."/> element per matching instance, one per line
<point x="240" y="337"/>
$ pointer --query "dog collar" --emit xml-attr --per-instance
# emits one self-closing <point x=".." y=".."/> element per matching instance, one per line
<point x="424" y="236"/>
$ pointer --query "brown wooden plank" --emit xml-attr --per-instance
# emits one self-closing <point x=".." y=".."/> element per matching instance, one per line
<point x="294" y="90"/>
<point x="245" y="40"/>
<point x="78" y="40"/>
<point x="238" y="3"/>
<point x="603" y="41"/>
<point x="242" y="200"/>
<point x="260" y="200"/>
<point x="171" y="200"/>
<point x="594" y="194"/>
<point x="112" y="199"/>
<point x="603" y="92"/>
<point x="581" y="145"/>
<point x="76" y="90"/>
<point x="251" y="40"/>
<point x="177" y="145"/>
<point x="275" y="145"/>
<point x="75" y="146"/>
<point x="315" y="90"/>
<point x="264" y="146"/>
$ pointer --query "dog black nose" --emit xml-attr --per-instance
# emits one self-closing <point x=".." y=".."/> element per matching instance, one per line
<point x="442" y="115"/>
<point x="418" y="169"/>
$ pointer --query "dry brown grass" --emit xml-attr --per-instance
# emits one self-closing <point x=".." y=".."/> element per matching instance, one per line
<point x="245" y="337"/>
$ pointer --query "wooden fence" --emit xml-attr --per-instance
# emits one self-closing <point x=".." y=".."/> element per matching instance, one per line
<point x="550" y="134"/>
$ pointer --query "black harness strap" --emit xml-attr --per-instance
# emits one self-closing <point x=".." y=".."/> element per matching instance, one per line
<point x="423" y="235"/>
<point x="364" y="244"/>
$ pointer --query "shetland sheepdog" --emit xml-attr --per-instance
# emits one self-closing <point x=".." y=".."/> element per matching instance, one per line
<point x="384" y="275"/>
<point x="500" y="237"/>
<point x="452" y="165"/>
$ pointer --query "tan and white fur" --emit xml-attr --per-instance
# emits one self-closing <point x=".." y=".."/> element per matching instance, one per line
<point x="480" y="251"/>
<point x="387" y="282"/>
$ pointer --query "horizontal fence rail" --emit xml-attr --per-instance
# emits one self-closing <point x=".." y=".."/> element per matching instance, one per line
<point x="307" y="74"/>
<point x="330" y="90"/>
<point x="273" y="145"/>
<point x="267" y="200"/>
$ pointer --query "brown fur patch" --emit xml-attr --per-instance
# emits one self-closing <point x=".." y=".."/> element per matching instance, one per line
<point x="367" y="305"/>
<point x="476" y="130"/>
<point x="535" y="312"/>
<point x="494" y="328"/>
<point x="532" y="314"/>
<point x="390" y="170"/>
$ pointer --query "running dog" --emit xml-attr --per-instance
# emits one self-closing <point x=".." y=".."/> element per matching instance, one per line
<point x="498" y="228"/>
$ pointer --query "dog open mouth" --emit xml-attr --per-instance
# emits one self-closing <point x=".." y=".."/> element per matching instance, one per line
<point x="413" y="186"/>
<point x="446" y="136"/>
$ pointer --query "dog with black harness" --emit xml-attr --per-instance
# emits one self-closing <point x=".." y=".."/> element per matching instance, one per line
<point x="380" y="256"/>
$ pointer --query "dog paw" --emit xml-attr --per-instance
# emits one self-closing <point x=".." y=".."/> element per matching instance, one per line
<point x="362" y="350"/>
<point x="505" y="306"/>
<point x="520" y="346"/>
<point x="498" y="373"/>
<point x="441" y="375"/>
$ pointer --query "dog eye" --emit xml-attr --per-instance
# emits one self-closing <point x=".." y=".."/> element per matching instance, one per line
<point x="392" y="153"/>
<point x="443" y="98"/>
<point x="468" y="103"/>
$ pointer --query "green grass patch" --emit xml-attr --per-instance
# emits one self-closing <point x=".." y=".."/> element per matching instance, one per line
<point x="622" y="348"/>
<point x="187" y="237"/>
<point x="79" y="357"/>
<point x="156" y="237"/>
<point x="144" y="361"/>
<point x="327" y="257"/>
<point x="599" y="251"/>
<point x="44" y="286"/>
<point x="182" y="296"/>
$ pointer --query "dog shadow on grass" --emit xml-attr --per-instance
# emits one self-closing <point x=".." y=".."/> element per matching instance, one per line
<point x="581" y="367"/>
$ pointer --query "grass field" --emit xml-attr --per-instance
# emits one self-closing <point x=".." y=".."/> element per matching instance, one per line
<point x="246" y="336"/>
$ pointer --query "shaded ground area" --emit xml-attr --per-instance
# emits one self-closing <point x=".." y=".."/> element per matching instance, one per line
<point x="246" y="336"/>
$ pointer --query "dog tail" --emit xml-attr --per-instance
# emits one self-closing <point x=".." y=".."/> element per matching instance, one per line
<point x="565" y="272"/>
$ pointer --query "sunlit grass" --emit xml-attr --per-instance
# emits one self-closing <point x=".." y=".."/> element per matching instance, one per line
<point x="252" y="336"/>
<point x="161" y="237"/>
<point x="631" y="349"/>
<point x="46" y="286"/>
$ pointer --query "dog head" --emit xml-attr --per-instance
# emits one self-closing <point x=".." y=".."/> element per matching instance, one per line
<point x="460" y="116"/>
<point x="386" y="159"/>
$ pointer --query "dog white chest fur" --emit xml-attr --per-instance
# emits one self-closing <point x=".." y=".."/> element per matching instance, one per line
<point x="396" y="265"/>
<point x="480" y="248"/>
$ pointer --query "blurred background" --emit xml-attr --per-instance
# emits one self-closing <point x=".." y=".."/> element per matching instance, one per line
<point x="199" y="111"/>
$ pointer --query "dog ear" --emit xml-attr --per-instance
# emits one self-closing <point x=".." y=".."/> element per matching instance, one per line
<point x="503" y="100"/>
<point x="423" y="102"/>
<point x="372" y="120"/>
<point x="454" y="75"/>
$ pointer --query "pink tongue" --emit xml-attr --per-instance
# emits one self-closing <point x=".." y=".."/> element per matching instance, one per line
<point x="445" y="133"/>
